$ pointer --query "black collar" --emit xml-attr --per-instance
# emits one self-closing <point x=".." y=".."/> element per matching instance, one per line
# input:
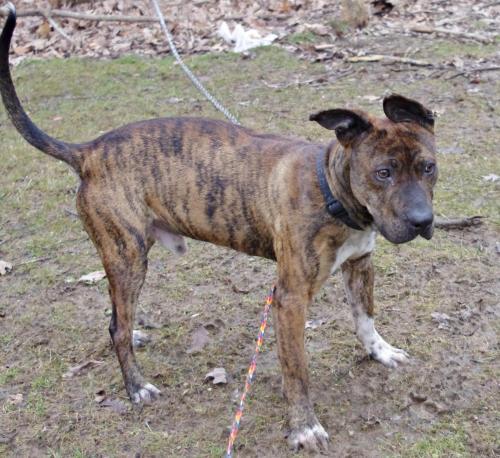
<point x="333" y="206"/>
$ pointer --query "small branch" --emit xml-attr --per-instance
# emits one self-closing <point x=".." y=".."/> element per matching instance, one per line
<point x="389" y="59"/>
<point x="32" y="261"/>
<point x="457" y="223"/>
<point x="471" y="71"/>
<point x="455" y="33"/>
<point x="80" y="16"/>
<point x="58" y="29"/>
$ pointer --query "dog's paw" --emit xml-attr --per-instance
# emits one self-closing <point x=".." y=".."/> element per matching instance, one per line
<point x="310" y="437"/>
<point x="387" y="354"/>
<point x="145" y="394"/>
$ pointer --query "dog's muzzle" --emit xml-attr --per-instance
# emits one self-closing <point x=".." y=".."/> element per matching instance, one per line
<point x="420" y="221"/>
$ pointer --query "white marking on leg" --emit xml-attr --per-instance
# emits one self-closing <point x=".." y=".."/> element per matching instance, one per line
<point x="374" y="344"/>
<point x="311" y="438"/>
<point x="146" y="394"/>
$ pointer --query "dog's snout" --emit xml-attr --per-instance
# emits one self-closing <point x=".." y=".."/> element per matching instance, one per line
<point x="420" y="218"/>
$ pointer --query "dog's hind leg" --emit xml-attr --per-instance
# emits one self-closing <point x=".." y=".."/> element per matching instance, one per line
<point x="358" y="281"/>
<point x="121" y="239"/>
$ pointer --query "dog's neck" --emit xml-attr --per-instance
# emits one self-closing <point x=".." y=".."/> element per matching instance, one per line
<point x="338" y="175"/>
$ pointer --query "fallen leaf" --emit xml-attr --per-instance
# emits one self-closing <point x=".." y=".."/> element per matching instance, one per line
<point x="371" y="98"/>
<point x="15" y="399"/>
<point x="313" y="324"/>
<point x="140" y="338"/>
<point x="318" y="29"/>
<point x="100" y="396"/>
<point x="491" y="177"/>
<point x="92" y="277"/>
<point x="116" y="405"/>
<point x="5" y="267"/>
<point x="418" y="397"/>
<point x="381" y="7"/>
<point x="238" y="289"/>
<point x="437" y="406"/>
<point x="218" y="375"/>
<point x="442" y="319"/>
<point x="77" y="370"/>
<point x="43" y="31"/>
<point x="199" y="340"/>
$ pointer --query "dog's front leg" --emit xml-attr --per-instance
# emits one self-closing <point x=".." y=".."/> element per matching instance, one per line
<point x="358" y="282"/>
<point x="289" y="313"/>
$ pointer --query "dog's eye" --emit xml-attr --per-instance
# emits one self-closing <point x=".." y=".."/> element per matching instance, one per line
<point x="429" y="168"/>
<point x="383" y="174"/>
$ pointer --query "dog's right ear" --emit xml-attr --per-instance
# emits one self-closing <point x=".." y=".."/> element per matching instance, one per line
<point x="347" y="124"/>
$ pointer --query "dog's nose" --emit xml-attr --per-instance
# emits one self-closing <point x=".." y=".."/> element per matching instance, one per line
<point x="420" y="218"/>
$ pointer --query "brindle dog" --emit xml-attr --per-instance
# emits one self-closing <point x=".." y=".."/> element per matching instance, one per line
<point x="165" y="179"/>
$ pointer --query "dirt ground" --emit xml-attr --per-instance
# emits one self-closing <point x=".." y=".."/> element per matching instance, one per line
<point x="437" y="299"/>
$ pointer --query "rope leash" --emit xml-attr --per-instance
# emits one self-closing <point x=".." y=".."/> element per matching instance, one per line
<point x="188" y="72"/>
<point x="250" y="374"/>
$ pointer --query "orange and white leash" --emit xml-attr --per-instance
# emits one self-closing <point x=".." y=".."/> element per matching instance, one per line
<point x="250" y="374"/>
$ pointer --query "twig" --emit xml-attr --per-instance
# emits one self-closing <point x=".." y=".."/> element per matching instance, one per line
<point x="455" y="33"/>
<point x="32" y="261"/>
<point x="390" y="59"/>
<point x="474" y="70"/>
<point x="58" y="29"/>
<point x="457" y="223"/>
<point x="81" y="16"/>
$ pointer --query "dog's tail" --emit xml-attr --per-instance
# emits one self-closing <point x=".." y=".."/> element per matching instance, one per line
<point x="64" y="151"/>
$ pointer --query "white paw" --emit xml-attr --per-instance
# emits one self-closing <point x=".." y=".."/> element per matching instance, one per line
<point x="376" y="346"/>
<point x="312" y="438"/>
<point x="387" y="354"/>
<point x="146" y="394"/>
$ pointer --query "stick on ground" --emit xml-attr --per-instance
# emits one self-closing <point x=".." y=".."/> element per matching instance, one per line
<point x="457" y="223"/>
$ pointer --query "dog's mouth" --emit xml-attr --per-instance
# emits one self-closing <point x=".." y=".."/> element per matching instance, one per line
<point x="406" y="233"/>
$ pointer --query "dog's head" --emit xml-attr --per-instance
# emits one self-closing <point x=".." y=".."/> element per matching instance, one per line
<point x="392" y="164"/>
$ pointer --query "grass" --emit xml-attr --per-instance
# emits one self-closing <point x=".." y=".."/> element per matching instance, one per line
<point x="49" y="325"/>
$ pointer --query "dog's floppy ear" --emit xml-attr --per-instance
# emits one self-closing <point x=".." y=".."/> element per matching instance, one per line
<point x="400" y="109"/>
<point x="347" y="124"/>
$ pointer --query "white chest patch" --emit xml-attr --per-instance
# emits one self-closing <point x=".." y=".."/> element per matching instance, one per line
<point x="358" y="244"/>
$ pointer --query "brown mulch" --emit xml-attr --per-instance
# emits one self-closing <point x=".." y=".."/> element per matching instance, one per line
<point x="194" y="24"/>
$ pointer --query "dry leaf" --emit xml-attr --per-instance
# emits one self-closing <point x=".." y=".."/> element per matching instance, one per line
<point x="44" y="30"/>
<point x="491" y="177"/>
<point x="100" y="396"/>
<point x="5" y="267"/>
<point x="313" y="324"/>
<point x="15" y="399"/>
<point x="217" y="375"/>
<point x="319" y="29"/>
<point x="92" y="277"/>
<point x="140" y="338"/>
<point x="199" y="340"/>
<point x="116" y="405"/>
<point x="77" y="370"/>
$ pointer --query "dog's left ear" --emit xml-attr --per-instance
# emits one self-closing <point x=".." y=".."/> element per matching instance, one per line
<point x="347" y="124"/>
<point x="400" y="109"/>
